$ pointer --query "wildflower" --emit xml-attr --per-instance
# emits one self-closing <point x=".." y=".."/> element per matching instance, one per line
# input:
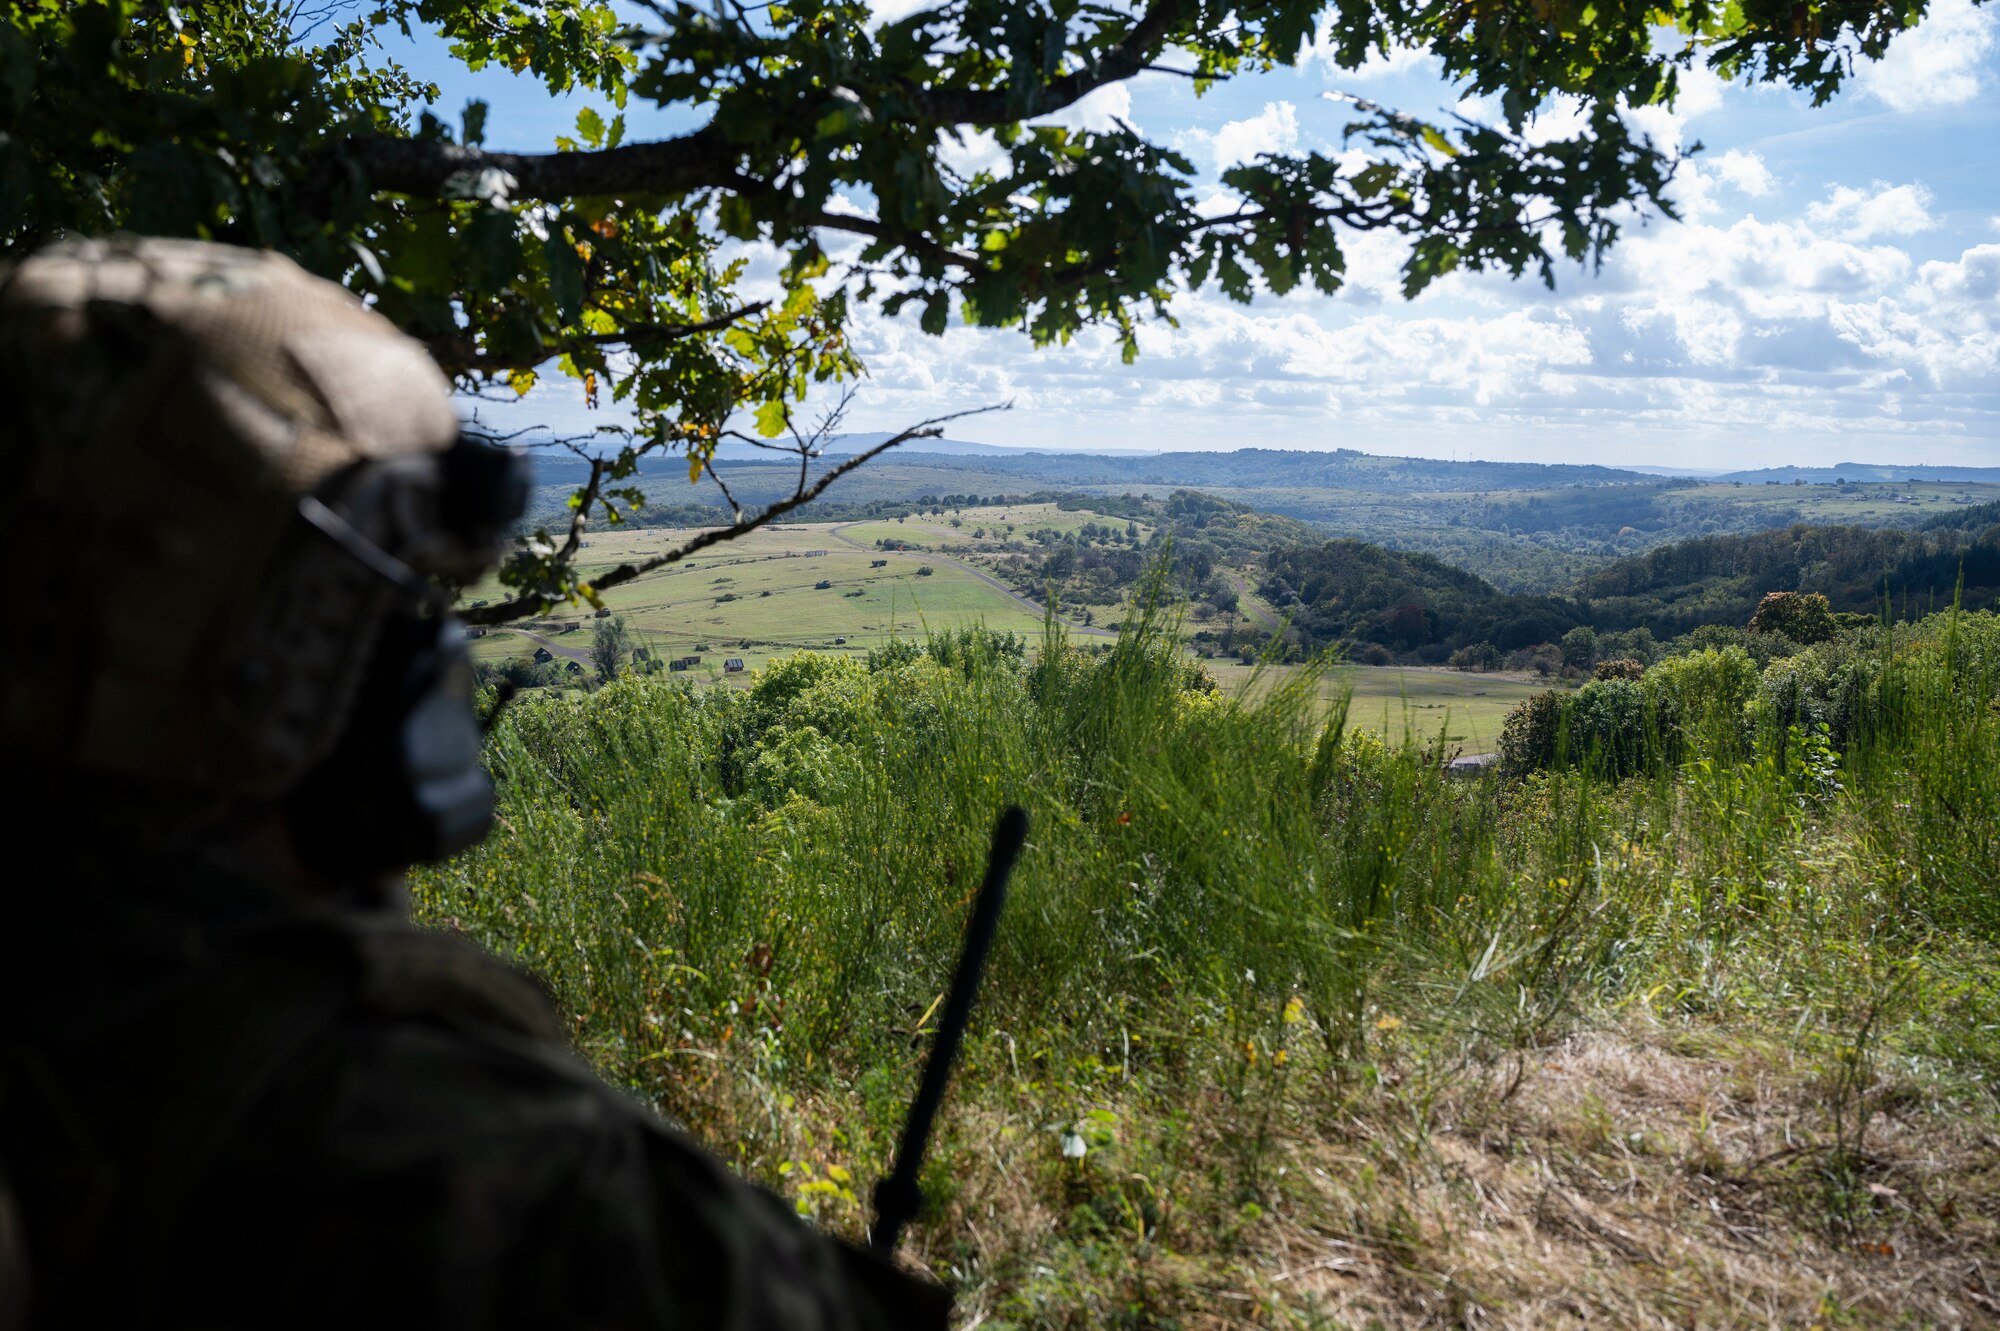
<point x="1389" y="1023"/>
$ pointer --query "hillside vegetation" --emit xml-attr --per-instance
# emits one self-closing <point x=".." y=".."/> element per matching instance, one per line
<point x="1285" y="1027"/>
<point x="1525" y="527"/>
<point x="1720" y="579"/>
<point x="1420" y="608"/>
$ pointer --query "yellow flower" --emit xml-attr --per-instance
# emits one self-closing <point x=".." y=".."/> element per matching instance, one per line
<point x="1388" y="1023"/>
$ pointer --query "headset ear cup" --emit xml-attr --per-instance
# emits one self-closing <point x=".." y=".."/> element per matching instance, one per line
<point x="405" y="783"/>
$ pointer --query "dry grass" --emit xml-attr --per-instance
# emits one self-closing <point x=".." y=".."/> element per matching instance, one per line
<point x="1623" y="1178"/>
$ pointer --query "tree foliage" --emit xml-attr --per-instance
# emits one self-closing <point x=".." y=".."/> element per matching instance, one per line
<point x="284" y="123"/>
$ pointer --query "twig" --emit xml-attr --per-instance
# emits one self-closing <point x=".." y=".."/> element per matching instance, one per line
<point x="535" y="602"/>
<point x="929" y="429"/>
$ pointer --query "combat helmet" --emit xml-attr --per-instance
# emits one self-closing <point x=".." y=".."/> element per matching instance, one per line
<point x="239" y="490"/>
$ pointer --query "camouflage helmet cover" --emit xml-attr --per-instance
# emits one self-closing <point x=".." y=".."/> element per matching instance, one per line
<point x="170" y="402"/>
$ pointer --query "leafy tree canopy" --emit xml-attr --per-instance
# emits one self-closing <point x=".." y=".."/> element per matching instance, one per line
<point x="283" y="123"/>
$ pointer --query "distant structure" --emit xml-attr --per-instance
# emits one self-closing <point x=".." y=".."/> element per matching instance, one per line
<point x="602" y="613"/>
<point x="1472" y="764"/>
<point x="877" y="563"/>
<point x="543" y="656"/>
<point x="475" y="631"/>
<point x="678" y="665"/>
<point x="821" y="585"/>
<point x="733" y="666"/>
<point x="840" y="642"/>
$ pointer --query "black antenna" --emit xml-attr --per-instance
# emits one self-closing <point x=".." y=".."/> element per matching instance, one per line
<point x="898" y="1197"/>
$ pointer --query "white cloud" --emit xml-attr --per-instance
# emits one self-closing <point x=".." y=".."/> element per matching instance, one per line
<point x="977" y="151"/>
<point x="1099" y="111"/>
<point x="1746" y="171"/>
<point x="1274" y="129"/>
<point x="888" y="11"/>
<point x="1939" y="63"/>
<point x="1321" y="50"/>
<point x="1880" y="210"/>
<point x="1975" y="276"/>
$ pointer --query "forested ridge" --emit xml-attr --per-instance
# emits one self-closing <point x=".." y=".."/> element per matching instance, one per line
<point x="1720" y="579"/>
<point x="1415" y="604"/>
<point x="1421" y="607"/>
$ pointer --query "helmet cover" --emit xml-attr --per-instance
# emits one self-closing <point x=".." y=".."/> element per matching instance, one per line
<point x="170" y="403"/>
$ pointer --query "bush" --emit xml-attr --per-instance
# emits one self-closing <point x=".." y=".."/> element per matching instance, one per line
<point x="1610" y="726"/>
<point x="1804" y="617"/>
<point x="1529" y="734"/>
<point x="1702" y="699"/>
<point x="1544" y="659"/>
<point x="1579" y="647"/>
<point x="1479" y="656"/>
<point x="1831" y="685"/>
<point x="1639" y="644"/>
<point x="925" y="570"/>
<point x="521" y="671"/>
<point x="1374" y="654"/>
<point x="1624" y="667"/>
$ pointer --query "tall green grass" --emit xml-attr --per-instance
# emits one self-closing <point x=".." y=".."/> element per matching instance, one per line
<point x="749" y="901"/>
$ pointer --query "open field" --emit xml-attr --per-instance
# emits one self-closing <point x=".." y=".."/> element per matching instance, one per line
<point x="1466" y="709"/>
<point x="983" y="528"/>
<point x="758" y="597"/>
<point x="777" y="609"/>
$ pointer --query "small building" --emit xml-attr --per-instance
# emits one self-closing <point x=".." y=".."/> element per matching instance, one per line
<point x="569" y="625"/>
<point x="678" y="665"/>
<point x="574" y="667"/>
<point x="733" y="666"/>
<point x="543" y="656"/>
<point x="840" y="642"/>
<point x="821" y="585"/>
<point x="476" y="631"/>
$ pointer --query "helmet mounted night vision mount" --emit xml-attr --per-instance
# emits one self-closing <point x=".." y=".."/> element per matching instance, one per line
<point x="404" y="782"/>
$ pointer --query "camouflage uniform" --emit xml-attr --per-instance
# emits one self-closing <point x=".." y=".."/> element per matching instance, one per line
<point x="234" y="1092"/>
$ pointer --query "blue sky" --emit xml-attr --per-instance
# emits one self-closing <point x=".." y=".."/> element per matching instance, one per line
<point x="1832" y="292"/>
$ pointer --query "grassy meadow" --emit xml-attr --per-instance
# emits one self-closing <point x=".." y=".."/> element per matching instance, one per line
<point x="1463" y="710"/>
<point x="757" y="597"/>
<point x="1285" y="1027"/>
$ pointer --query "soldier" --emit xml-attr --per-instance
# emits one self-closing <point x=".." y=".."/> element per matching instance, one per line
<point x="237" y="1086"/>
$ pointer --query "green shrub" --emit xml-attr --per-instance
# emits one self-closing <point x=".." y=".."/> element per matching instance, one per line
<point x="1529" y="735"/>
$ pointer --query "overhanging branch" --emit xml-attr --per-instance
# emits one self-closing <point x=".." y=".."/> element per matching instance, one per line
<point x="536" y="602"/>
<point x="460" y="357"/>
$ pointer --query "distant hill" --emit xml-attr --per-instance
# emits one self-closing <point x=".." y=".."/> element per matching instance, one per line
<point x="1342" y="469"/>
<point x="1415" y="605"/>
<point x="1422" y="608"/>
<point x="845" y="445"/>
<point x="1858" y="472"/>
<point x="1720" y="579"/>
